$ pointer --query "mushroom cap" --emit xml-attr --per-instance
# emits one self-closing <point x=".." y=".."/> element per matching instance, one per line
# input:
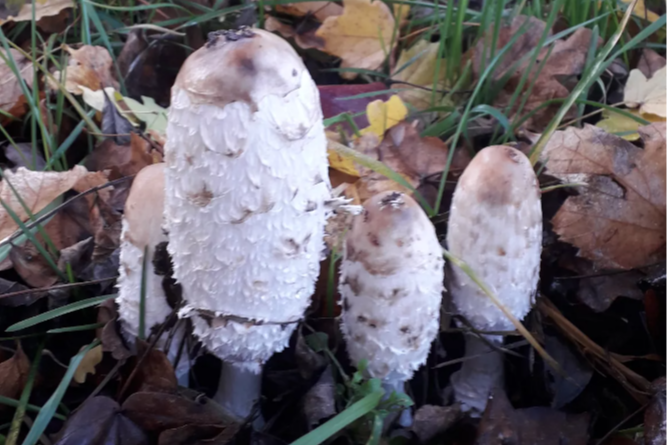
<point x="246" y="181"/>
<point x="391" y="284"/>
<point x="143" y="229"/>
<point x="495" y="225"/>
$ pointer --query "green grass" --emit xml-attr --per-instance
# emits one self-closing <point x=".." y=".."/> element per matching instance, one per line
<point x="454" y="25"/>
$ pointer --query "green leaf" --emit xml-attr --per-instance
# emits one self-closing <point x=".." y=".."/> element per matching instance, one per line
<point x="153" y="115"/>
<point x="55" y="313"/>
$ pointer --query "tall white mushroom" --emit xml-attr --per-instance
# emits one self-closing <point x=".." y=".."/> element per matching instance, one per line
<point x="246" y="184"/>
<point x="142" y="231"/>
<point x="495" y="225"/>
<point x="391" y="283"/>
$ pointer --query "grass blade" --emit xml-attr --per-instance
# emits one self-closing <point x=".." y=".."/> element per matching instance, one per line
<point x="55" y="313"/>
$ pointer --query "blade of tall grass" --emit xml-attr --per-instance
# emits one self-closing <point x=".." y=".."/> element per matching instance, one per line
<point x="58" y="312"/>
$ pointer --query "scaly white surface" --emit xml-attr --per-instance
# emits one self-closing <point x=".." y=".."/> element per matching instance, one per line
<point x="142" y="226"/>
<point x="246" y="188"/>
<point x="495" y="225"/>
<point x="391" y="284"/>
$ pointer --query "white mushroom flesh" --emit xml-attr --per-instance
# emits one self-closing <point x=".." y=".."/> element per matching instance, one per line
<point x="246" y="184"/>
<point x="391" y="285"/>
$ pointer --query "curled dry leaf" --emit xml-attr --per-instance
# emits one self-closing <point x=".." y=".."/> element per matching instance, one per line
<point x="361" y="36"/>
<point x="567" y="59"/>
<point x="89" y="66"/>
<point x="36" y="189"/>
<point x="11" y="95"/>
<point x="43" y="8"/>
<point x="618" y="220"/>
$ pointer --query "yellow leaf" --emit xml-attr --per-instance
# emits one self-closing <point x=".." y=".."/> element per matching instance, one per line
<point x="345" y="165"/>
<point x="420" y="64"/>
<point x="642" y="12"/>
<point x="361" y="36"/>
<point x="401" y="12"/>
<point x="617" y="123"/>
<point x="647" y="94"/>
<point x="384" y="115"/>
<point x="88" y="363"/>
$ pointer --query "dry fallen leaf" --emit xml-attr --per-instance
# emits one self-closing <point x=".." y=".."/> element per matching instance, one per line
<point x="650" y="62"/>
<point x="121" y="160"/>
<point x="87" y="366"/>
<point x="649" y="95"/>
<point x="36" y="189"/>
<point x="89" y="66"/>
<point x="305" y="39"/>
<point x="567" y="60"/>
<point x="11" y="95"/>
<point x="43" y="8"/>
<point x="318" y="9"/>
<point x="13" y="374"/>
<point x="618" y="220"/>
<point x="361" y="36"/>
<point x="417" y="66"/>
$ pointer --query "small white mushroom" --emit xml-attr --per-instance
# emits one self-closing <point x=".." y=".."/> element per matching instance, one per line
<point x="495" y="225"/>
<point x="247" y="182"/>
<point x="142" y="232"/>
<point x="391" y="285"/>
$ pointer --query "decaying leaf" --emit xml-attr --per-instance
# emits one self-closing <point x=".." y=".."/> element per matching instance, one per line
<point x="121" y="160"/>
<point x="567" y="59"/>
<point x="650" y="62"/>
<point x="87" y="366"/>
<point x="89" y="66"/>
<point x="618" y="220"/>
<point x="36" y="189"/>
<point x="100" y="421"/>
<point x="418" y="65"/>
<point x="318" y="9"/>
<point x="43" y="8"/>
<point x="305" y="39"/>
<point x="13" y="374"/>
<point x="432" y="420"/>
<point x="11" y="95"/>
<point x="361" y="36"/>
<point x="199" y="435"/>
<point x="503" y="424"/>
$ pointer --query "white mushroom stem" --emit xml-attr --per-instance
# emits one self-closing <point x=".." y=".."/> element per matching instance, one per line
<point x="246" y="181"/>
<point x="239" y="391"/>
<point x="391" y="284"/>
<point x="142" y="232"/>
<point x="481" y="372"/>
<point x="495" y="226"/>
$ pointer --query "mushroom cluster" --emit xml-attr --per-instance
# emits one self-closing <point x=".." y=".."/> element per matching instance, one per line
<point x="391" y="287"/>
<point x="246" y="191"/>
<point x="495" y="226"/>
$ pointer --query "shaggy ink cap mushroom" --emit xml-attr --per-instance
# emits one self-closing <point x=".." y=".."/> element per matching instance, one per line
<point x="247" y="181"/>
<point x="391" y="284"/>
<point x="495" y="226"/>
<point x="142" y="232"/>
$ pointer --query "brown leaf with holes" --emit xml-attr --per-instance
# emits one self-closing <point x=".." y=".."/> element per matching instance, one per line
<point x="618" y="220"/>
<point x="14" y="374"/>
<point x="90" y="67"/>
<point x="565" y="62"/>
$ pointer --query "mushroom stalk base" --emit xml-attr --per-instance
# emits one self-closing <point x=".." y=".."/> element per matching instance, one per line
<point x="405" y="417"/>
<point x="239" y="391"/>
<point x="478" y="376"/>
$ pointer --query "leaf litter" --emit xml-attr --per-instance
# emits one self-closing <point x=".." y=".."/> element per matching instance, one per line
<point x="604" y="202"/>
